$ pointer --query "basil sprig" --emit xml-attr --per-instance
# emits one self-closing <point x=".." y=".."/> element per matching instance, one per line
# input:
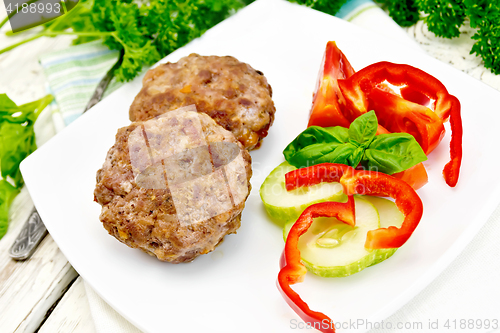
<point x="387" y="153"/>
<point x="17" y="140"/>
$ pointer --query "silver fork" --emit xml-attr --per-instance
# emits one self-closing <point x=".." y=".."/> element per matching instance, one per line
<point x="34" y="230"/>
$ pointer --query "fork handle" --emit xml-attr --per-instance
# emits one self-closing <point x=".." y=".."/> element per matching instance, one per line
<point x="30" y="236"/>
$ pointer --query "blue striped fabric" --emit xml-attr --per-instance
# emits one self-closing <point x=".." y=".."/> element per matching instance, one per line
<point x="73" y="75"/>
<point x="351" y="7"/>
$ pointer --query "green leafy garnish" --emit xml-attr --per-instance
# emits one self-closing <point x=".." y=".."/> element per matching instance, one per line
<point x="485" y="17"/>
<point x="363" y="130"/>
<point x="144" y="31"/>
<point x="326" y="6"/>
<point x="387" y="153"/>
<point x="445" y="17"/>
<point x="7" y="194"/>
<point x="148" y="31"/>
<point x="403" y="12"/>
<point x="394" y="152"/>
<point x="17" y="141"/>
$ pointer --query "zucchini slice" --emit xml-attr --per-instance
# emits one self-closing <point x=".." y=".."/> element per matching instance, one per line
<point x="331" y="248"/>
<point x="284" y="205"/>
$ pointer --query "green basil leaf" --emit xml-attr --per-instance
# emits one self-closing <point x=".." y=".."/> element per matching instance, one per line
<point x="392" y="153"/>
<point x="28" y="112"/>
<point x="7" y="194"/>
<point x="363" y="129"/>
<point x="16" y="143"/>
<point x="356" y="156"/>
<point x="342" y="155"/>
<point x="313" y="143"/>
<point x="17" y="137"/>
<point x="308" y="155"/>
<point x="6" y="103"/>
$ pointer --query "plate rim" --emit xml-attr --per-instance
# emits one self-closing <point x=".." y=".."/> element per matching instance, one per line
<point x="434" y="271"/>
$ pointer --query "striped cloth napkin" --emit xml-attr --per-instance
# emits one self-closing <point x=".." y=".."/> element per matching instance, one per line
<point x="73" y="75"/>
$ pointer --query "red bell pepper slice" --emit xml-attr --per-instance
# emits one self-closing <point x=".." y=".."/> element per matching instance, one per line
<point x="406" y="199"/>
<point x="400" y="115"/>
<point x="368" y="183"/>
<point x="293" y="271"/>
<point x="354" y="182"/>
<point x="366" y="90"/>
<point x="327" y="109"/>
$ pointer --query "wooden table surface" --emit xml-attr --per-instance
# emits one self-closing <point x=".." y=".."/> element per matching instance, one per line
<point x="44" y="293"/>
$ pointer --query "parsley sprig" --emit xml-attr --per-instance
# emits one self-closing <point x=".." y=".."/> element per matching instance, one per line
<point x="445" y="17"/>
<point x="145" y="31"/>
<point x="148" y="31"/>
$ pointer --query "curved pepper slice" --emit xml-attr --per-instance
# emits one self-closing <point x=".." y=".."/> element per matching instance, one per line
<point x="406" y="199"/>
<point x="366" y="90"/>
<point x="327" y="110"/>
<point x="354" y="182"/>
<point x="293" y="271"/>
<point x="400" y="115"/>
<point x="368" y="183"/>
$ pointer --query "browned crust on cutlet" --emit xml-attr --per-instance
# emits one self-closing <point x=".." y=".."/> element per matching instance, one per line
<point x="231" y="92"/>
<point x="146" y="218"/>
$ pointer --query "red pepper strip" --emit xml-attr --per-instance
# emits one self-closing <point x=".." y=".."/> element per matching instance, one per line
<point x="293" y="271"/>
<point x="357" y="86"/>
<point x="315" y="174"/>
<point x="402" y="116"/>
<point x="365" y="90"/>
<point x="406" y="199"/>
<point x="354" y="182"/>
<point x="368" y="183"/>
<point x="414" y="96"/>
<point x="452" y="168"/>
<point x="328" y="102"/>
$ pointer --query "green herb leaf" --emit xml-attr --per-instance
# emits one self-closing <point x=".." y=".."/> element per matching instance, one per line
<point x="145" y="31"/>
<point x="363" y="129"/>
<point x="403" y="12"/>
<point x="333" y="144"/>
<point x="445" y="17"/>
<point x="327" y="6"/>
<point x="392" y="153"/>
<point x="388" y="153"/>
<point x="314" y="143"/>
<point x="17" y="141"/>
<point x="342" y="155"/>
<point x="28" y="112"/>
<point x="167" y="25"/>
<point x="17" y="137"/>
<point x="7" y="194"/>
<point x="6" y="104"/>
<point x="484" y="15"/>
<point x="356" y="157"/>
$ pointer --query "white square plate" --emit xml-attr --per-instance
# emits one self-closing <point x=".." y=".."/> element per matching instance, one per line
<point x="233" y="289"/>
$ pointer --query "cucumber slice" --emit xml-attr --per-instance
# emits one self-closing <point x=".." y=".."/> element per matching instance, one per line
<point x="387" y="210"/>
<point x="331" y="248"/>
<point x="283" y="205"/>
